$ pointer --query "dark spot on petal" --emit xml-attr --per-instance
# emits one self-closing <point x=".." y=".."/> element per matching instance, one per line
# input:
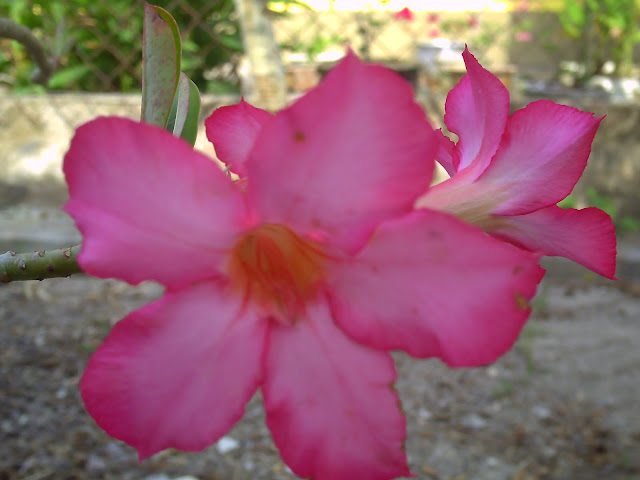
<point x="518" y="270"/>
<point x="521" y="301"/>
<point x="299" y="136"/>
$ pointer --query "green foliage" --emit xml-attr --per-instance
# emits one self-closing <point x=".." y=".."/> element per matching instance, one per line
<point x="318" y="44"/>
<point x="608" y="29"/>
<point x="568" y="202"/>
<point x="624" y="223"/>
<point x="504" y="389"/>
<point x="97" y="45"/>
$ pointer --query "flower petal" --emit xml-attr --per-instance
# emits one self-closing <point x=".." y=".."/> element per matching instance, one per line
<point x="434" y="286"/>
<point x="233" y="131"/>
<point x="353" y="151"/>
<point x="477" y="110"/>
<point x="176" y="373"/>
<point x="585" y="236"/>
<point x="447" y="155"/>
<point x="543" y="153"/>
<point x="121" y="174"/>
<point x="330" y="404"/>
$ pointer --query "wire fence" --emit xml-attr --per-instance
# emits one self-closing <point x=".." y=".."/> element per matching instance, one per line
<point x="97" y="44"/>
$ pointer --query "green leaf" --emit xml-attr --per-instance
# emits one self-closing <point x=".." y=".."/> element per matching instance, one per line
<point x="185" y="112"/>
<point x="233" y="43"/>
<point x="161" y="55"/>
<point x="64" y="78"/>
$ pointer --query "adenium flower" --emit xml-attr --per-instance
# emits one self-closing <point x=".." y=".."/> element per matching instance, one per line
<point x="405" y="14"/>
<point x="509" y="172"/>
<point x="297" y="279"/>
<point x="524" y="36"/>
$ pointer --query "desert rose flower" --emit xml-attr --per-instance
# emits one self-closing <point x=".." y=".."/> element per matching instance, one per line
<point x="405" y="14"/>
<point x="297" y="279"/>
<point x="524" y="36"/>
<point x="509" y="172"/>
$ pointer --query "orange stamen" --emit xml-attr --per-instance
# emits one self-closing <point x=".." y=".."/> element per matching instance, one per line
<point x="274" y="267"/>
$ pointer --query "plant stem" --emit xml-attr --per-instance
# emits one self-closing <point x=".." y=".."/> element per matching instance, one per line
<point x="39" y="265"/>
<point x="10" y="29"/>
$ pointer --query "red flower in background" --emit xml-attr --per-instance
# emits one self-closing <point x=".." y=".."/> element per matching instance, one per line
<point x="405" y="14"/>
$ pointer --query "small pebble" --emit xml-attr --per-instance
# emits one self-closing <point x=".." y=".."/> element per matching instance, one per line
<point x="227" y="444"/>
<point x="157" y="476"/>
<point x="473" y="420"/>
<point x="6" y="426"/>
<point x="492" y="462"/>
<point x="541" y="412"/>
<point x="424" y="414"/>
<point x="40" y="339"/>
<point x="95" y="464"/>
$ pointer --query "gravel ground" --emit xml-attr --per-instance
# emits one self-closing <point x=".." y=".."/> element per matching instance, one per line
<point x="563" y="404"/>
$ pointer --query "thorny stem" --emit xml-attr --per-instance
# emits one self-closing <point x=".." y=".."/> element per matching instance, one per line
<point x="39" y="265"/>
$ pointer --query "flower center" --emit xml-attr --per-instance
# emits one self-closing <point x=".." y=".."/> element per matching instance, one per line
<point x="274" y="267"/>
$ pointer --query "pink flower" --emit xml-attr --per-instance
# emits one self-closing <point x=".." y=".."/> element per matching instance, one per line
<point x="405" y="14"/>
<point x="433" y="18"/>
<point x="297" y="280"/>
<point x="524" y="36"/>
<point x="474" y="21"/>
<point x="509" y="172"/>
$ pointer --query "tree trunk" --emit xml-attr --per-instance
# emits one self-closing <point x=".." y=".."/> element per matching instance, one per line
<point x="270" y="90"/>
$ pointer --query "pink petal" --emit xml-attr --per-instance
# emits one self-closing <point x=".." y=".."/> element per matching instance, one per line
<point x="148" y="205"/>
<point x="355" y="150"/>
<point x="176" y="373"/>
<point x="447" y="155"/>
<point x="330" y="403"/>
<point x="543" y="153"/>
<point x="585" y="236"/>
<point x="233" y="130"/>
<point x="434" y="286"/>
<point x="477" y="110"/>
<point x="460" y="195"/>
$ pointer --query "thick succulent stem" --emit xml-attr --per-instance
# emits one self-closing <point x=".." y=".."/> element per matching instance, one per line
<point x="39" y="265"/>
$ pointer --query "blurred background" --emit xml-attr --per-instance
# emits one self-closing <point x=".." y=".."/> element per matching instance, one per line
<point x="96" y="44"/>
<point x="562" y="405"/>
<point x="579" y="52"/>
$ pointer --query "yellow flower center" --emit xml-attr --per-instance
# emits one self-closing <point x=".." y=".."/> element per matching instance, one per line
<point x="274" y="267"/>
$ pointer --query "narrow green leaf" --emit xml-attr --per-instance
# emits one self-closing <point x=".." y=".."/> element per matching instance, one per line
<point x="183" y="121"/>
<point x="161" y="55"/>
<point x="65" y="77"/>
<point x="233" y="43"/>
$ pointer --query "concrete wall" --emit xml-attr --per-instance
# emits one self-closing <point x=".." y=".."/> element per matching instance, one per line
<point x="35" y="134"/>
